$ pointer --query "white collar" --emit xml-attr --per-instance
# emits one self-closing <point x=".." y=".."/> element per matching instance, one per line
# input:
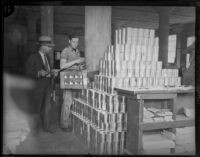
<point x="42" y="54"/>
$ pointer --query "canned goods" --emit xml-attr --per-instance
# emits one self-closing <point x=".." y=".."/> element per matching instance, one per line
<point x="158" y="73"/>
<point x="150" y="81"/>
<point x="159" y="65"/>
<point x="175" y="72"/>
<point x="132" y="82"/>
<point x="169" y="72"/>
<point x="148" y="72"/>
<point x="157" y="83"/>
<point x="144" y="82"/>
<point x="164" y="73"/>
<point x="179" y="81"/>
<point x="162" y="82"/>
<point x="137" y="72"/>
<point x="142" y="72"/>
<point x="139" y="82"/>
<point x="166" y="80"/>
<point x="130" y="72"/>
<point x="153" y="72"/>
<point x="153" y="65"/>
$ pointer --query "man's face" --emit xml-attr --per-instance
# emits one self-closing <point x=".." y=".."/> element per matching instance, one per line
<point x="74" y="42"/>
<point x="46" y="49"/>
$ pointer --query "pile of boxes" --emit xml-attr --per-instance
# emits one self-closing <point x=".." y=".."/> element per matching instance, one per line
<point x="101" y="119"/>
<point x="99" y="114"/>
<point x="133" y="62"/>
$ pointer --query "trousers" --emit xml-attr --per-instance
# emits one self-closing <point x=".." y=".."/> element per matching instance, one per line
<point x="43" y="98"/>
<point x="65" y="120"/>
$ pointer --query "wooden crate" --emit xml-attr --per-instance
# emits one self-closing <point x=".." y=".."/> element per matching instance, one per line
<point x="73" y="79"/>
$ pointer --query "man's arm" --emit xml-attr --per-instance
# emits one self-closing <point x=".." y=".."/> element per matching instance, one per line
<point x="31" y="68"/>
<point x="65" y="64"/>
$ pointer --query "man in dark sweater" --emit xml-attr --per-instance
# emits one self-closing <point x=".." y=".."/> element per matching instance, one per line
<point x="39" y="68"/>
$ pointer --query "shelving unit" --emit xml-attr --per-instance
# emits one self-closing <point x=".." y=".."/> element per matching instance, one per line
<point x="135" y="126"/>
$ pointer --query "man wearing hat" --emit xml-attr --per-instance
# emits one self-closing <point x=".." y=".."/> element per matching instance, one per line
<point x="39" y="68"/>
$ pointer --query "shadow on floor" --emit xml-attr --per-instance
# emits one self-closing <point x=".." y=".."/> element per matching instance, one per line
<point x="58" y="143"/>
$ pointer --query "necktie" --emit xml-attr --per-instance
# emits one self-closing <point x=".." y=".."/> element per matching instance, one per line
<point x="46" y="63"/>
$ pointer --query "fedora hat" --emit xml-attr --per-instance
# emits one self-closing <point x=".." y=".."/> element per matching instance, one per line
<point x="45" y="40"/>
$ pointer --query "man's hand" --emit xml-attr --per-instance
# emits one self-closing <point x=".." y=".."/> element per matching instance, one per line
<point x="83" y="66"/>
<point x="42" y="73"/>
<point x="80" y="60"/>
<point x="54" y="72"/>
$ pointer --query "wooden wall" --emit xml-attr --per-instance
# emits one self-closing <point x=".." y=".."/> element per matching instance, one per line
<point x="71" y="19"/>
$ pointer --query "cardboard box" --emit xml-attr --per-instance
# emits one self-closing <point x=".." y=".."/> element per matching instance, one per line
<point x="144" y="82"/>
<point x="152" y="33"/>
<point x="142" y="72"/>
<point x="73" y="79"/>
<point x="148" y="72"/>
<point x="120" y="36"/>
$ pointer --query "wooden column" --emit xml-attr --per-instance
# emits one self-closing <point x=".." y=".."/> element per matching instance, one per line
<point x="32" y="33"/>
<point x="97" y="34"/>
<point x="178" y="51"/>
<point x="163" y="33"/>
<point x="188" y="30"/>
<point x="47" y="22"/>
<point x="183" y="47"/>
<point x="179" y="31"/>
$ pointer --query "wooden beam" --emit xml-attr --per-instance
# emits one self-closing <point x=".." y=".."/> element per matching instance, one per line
<point x="97" y="34"/>
<point x="163" y="13"/>
<point x="69" y="24"/>
<point x="178" y="51"/>
<point x="134" y="119"/>
<point x="47" y="18"/>
<point x="135" y="24"/>
<point x="134" y="15"/>
<point x="32" y="32"/>
<point x="78" y="10"/>
<point x="173" y="124"/>
<point x="69" y="18"/>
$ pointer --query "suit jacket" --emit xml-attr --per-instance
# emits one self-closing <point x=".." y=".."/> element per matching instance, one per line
<point x="35" y="64"/>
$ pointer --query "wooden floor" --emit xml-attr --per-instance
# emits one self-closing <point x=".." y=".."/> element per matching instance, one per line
<point x="47" y="143"/>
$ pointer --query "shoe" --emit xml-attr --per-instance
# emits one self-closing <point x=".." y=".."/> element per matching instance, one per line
<point x="50" y="130"/>
<point x="68" y="129"/>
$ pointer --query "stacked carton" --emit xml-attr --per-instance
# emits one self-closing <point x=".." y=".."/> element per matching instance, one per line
<point x="133" y="62"/>
<point x="99" y="114"/>
<point x="100" y="119"/>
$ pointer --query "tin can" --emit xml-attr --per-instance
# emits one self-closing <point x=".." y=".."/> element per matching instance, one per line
<point x="137" y="72"/>
<point x="144" y="82"/>
<point x="166" y="81"/>
<point x="142" y="72"/>
<point x="153" y="72"/>
<point x="139" y="82"/>
<point x="148" y="72"/>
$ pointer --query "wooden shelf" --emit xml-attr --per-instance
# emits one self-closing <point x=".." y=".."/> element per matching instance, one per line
<point x="181" y="121"/>
<point x="153" y="93"/>
<point x="135" y="103"/>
